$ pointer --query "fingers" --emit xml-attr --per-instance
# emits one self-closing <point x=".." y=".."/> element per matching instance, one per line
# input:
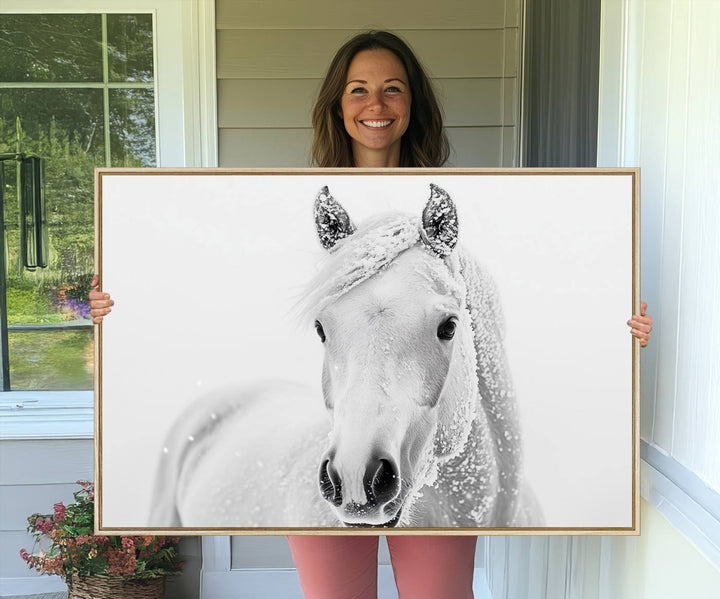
<point x="641" y="325"/>
<point x="641" y="335"/>
<point x="100" y="302"/>
<point x="98" y="314"/>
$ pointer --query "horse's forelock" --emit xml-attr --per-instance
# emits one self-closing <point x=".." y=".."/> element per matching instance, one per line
<point x="358" y="257"/>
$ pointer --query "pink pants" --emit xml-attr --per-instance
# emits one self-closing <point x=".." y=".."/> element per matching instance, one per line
<point x="425" y="567"/>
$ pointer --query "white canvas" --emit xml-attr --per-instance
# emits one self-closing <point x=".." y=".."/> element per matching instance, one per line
<point x="207" y="270"/>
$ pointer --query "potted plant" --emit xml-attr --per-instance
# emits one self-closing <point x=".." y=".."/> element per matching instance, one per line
<point x="96" y="567"/>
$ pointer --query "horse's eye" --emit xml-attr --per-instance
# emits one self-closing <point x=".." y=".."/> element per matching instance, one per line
<point x="320" y="331"/>
<point x="446" y="330"/>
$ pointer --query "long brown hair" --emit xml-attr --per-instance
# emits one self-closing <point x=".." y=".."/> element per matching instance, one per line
<point x="423" y="144"/>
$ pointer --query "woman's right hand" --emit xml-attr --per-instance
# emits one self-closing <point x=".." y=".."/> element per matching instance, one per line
<point x="100" y="303"/>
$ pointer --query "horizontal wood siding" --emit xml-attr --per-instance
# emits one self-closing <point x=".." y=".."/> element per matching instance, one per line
<point x="264" y="147"/>
<point x="287" y="103"/>
<point x="271" y="58"/>
<point x="470" y="146"/>
<point x="306" y="54"/>
<point x="35" y="475"/>
<point x="350" y="14"/>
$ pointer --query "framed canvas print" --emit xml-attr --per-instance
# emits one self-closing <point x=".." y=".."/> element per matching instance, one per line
<point x="368" y="352"/>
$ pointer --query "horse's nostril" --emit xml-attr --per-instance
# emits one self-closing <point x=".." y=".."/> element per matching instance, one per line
<point x="330" y="485"/>
<point x="381" y="481"/>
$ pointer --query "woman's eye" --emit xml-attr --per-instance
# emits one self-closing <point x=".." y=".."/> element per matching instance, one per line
<point x="357" y="90"/>
<point x="319" y="330"/>
<point x="393" y="89"/>
<point x="446" y="330"/>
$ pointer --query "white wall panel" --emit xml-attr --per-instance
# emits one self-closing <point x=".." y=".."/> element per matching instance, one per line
<point x="652" y="116"/>
<point x="667" y="122"/>
<point x="675" y="178"/>
<point x="697" y="410"/>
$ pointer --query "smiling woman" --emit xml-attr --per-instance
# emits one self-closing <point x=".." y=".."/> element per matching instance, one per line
<point x="376" y="99"/>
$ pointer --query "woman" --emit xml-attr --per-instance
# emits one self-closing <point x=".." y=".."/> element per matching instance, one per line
<point x="376" y="108"/>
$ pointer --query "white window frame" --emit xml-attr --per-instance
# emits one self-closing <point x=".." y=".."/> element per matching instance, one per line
<point x="186" y="128"/>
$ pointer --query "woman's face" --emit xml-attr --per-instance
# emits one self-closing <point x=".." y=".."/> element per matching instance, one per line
<point x="375" y="107"/>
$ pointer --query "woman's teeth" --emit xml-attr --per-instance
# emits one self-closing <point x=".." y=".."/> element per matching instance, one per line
<point x="376" y="124"/>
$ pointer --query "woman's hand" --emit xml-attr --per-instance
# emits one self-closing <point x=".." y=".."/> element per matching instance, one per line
<point x="100" y="303"/>
<point x="640" y="326"/>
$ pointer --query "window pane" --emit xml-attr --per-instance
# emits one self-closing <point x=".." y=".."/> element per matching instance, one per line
<point x="132" y="127"/>
<point x="53" y="122"/>
<point x="65" y="127"/>
<point x="52" y="359"/>
<point x="130" y="47"/>
<point x="50" y="48"/>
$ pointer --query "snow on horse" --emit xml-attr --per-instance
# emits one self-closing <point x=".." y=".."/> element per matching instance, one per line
<point x="419" y="426"/>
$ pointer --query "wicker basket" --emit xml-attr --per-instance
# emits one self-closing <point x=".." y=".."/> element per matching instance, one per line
<point x="116" y="587"/>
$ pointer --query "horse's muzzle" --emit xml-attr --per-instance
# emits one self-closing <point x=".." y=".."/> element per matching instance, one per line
<point x="381" y="485"/>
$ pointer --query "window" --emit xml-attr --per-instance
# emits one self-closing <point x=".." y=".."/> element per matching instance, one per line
<point x="77" y="90"/>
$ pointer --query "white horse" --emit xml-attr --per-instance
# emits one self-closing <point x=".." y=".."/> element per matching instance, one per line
<point x="420" y="426"/>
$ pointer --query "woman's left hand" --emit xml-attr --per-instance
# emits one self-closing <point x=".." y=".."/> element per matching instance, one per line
<point x="641" y="325"/>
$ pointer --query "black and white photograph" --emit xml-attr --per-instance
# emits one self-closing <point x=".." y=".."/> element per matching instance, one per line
<point x="387" y="350"/>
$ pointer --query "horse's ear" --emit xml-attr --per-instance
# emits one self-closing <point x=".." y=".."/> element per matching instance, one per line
<point x="439" y="222"/>
<point x="331" y="220"/>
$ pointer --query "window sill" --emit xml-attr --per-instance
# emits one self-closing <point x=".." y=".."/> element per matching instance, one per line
<point x="46" y="415"/>
<point x="681" y="497"/>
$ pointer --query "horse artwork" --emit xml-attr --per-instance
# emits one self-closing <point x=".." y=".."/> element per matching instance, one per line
<point x="417" y="425"/>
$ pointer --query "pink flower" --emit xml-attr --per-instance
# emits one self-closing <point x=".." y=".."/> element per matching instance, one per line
<point x="24" y="554"/>
<point x="44" y="526"/>
<point x="82" y="539"/>
<point x="59" y="509"/>
<point x="121" y="562"/>
<point x="128" y="543"/>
